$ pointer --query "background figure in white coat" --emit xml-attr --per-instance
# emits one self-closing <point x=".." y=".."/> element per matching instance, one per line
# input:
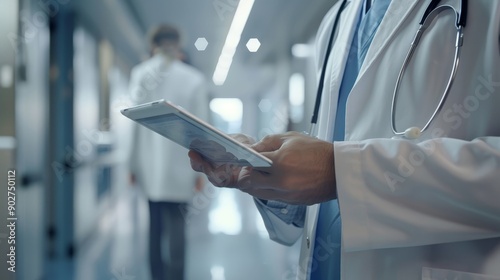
<point x="158" y="165"/>
<point x="424" y="208"/>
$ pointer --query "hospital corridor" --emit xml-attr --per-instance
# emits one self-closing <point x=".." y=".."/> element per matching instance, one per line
<point x="68" y="68"/>
<point x="222" y="239"/>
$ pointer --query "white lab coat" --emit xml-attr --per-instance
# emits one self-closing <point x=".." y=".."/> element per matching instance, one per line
<point x="423" y="209"/>
<point x="162" y="167"/>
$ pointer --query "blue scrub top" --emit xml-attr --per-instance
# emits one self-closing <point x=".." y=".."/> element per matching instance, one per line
<point x="326" y="254"/>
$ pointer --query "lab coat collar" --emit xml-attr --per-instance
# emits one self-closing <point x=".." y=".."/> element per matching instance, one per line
<point x="336" y="66"/>
<point x="397" y="12"/>
<point x="163" y="59"/>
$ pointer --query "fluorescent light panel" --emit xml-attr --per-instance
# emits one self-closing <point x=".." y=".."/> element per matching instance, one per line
<point x="232" y="41"/>
<point x="302" y="50"/>
<point x="296" y="97"/>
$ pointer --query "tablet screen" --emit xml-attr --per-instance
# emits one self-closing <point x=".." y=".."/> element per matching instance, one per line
<point x="195" y="138"/>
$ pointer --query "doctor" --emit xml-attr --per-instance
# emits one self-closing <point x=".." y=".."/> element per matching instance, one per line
<point x="384" y="206"/>
<point x="156" y="164"/>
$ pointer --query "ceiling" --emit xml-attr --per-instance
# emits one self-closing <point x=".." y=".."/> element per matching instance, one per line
<point x="278" y="24"/>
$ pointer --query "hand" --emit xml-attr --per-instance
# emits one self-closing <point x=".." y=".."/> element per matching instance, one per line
<point x="224" y="175"/>
<point x="199" y="184"/>
<point x="302" y="172"/>
<point x="216" y="152"/>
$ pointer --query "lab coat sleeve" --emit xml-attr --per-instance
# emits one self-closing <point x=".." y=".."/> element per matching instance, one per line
<point x="396" y="193"/>
<point x="280" y="231"/>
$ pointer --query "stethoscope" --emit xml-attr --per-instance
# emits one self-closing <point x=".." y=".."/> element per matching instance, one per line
<point x="429" y="15"/>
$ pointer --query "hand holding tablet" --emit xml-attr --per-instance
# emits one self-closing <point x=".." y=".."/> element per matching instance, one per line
<point x="180" y="126"/>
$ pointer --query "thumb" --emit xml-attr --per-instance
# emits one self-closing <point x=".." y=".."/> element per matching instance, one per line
<point x="269" y="143"/>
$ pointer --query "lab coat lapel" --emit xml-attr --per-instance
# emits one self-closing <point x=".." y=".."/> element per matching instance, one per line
<point x="334" y="73"/>
<point x="336" y="67"/>
<point x="396" y="13"/>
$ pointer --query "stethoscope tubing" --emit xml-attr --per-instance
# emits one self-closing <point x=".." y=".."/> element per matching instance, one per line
<point x="425" y="23"/>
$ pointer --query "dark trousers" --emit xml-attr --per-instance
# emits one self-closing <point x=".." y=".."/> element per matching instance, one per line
<point x="166" y="230"/>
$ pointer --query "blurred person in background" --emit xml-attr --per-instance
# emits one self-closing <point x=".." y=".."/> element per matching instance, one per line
<point x="158" y="165"/>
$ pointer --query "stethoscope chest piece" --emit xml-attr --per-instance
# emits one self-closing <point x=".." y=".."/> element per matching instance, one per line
<point x="412" y="132"/>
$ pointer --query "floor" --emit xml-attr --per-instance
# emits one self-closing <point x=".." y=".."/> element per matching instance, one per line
<point x="226" y="240"/>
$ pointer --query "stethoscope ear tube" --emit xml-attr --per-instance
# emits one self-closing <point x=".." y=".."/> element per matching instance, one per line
<point x="463" y="13"/>
<point x="462" y="19"/>
<point x="432" y="6"/>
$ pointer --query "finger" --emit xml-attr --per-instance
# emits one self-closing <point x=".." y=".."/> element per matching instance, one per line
<point x="242" y="138"/>
<point x="272" y="155"/>
<point x="196" y="160"/>
<point x="224" y="175"/>
<point x="269" y="143"/>
<point x="218" y="181"/>
<point x="256" y="180"/>
<point x="217" y="175"/>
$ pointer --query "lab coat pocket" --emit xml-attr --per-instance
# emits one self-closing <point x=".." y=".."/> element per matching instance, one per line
<point x="444" y="274"/>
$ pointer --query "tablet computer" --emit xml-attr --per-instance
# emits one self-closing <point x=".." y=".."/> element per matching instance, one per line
<point x="187" y="130"/>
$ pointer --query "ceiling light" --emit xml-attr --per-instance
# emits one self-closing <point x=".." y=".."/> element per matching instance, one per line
<point x="302" y="50"/>
<point x="201" y="44"/>
<point x="253" y="45"/>
<point x="232" y="40"/>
